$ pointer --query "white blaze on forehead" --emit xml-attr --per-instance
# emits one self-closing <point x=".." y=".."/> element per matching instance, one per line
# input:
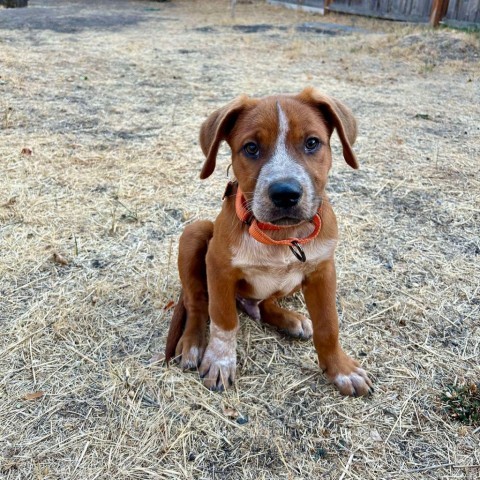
<point x="281" y="163"/>
<point x="280" y="148"/>
<point x="280" y="166"/>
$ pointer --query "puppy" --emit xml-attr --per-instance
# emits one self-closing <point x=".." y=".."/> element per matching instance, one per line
<point x="276" y="234"/>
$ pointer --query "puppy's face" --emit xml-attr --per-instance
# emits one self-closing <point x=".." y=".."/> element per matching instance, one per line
<point x="281" y="157"/>
<point x="280" y="150"/>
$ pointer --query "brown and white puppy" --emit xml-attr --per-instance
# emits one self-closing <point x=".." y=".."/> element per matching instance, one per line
<point x="280" y="158"/>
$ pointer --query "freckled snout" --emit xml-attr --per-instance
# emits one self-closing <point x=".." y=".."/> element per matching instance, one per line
<point x="285" y="193"/>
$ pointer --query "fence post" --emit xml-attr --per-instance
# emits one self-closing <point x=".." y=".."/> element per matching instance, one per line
<point x="439" y="9"/>
<point x="326" y="4"/>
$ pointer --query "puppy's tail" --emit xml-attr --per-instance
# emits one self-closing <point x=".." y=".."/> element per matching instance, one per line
<point x="177" y="325"/>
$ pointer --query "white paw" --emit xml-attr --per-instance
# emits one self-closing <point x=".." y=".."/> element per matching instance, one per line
<point x="218" y="369"/>
<point x="355" y="383"/>
<point x="220" y="361"/>
<point x="302" y="329"/>
<point x="189" y="351"/>
<point x="191" y="358"/>
<point x="307" y="328"/>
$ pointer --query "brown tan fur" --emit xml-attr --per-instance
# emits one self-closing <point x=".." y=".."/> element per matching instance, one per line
<point x="218" y="262"/>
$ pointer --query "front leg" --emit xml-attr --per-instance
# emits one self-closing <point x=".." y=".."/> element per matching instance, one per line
<point x="219" y="361"/>
<point x="319" y="290"/>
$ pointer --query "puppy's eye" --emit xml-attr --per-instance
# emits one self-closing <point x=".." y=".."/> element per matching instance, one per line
<point x="312" y="144"/>
<point x="251" y="150"/>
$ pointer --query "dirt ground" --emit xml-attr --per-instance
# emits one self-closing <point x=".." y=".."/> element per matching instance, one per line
<point x="100" y="107"/>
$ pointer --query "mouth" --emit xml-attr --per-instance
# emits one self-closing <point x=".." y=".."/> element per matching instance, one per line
<point x="287" y="221"/>
<point x="285" y="218"/>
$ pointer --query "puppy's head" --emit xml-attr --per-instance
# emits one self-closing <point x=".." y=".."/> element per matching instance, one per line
<point x="280" y="150"/>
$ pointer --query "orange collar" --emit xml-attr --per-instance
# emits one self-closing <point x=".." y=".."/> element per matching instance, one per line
<point x="256" y="228"/>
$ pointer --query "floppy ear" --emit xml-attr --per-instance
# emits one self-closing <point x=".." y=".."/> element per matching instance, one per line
<point x="340" y="117"/>
<point x="215" y="129"/>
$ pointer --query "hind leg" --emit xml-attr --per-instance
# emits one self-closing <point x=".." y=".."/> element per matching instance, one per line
<point x="286" y="321"/>
<point x="193" y="275"/>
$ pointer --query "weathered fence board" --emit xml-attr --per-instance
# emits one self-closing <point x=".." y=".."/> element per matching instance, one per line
<point x="407" y="10"/>
<point x="462" y="12"/>
<point x="308" y="5"/>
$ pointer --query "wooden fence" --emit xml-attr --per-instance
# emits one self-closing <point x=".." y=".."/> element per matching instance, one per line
<point x="463" y="12"/>
<point x="455" y="12"/>
<point x="406" y="10"/>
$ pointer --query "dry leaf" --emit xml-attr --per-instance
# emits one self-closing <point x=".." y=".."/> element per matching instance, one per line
<point x="11" y="201"/>
<point x="10" y="465"/>
<point x="230" y="412"/>
<point x="57" y="258"/>
<point x="169" y="305"/>
<point x="34" y="395"/>
<point x="375" y="436"/>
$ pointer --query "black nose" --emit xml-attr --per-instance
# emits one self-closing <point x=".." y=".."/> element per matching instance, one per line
<point x="286" y="193"/>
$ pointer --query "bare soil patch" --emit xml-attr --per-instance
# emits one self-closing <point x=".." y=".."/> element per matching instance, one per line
<point x="100" y="107"/>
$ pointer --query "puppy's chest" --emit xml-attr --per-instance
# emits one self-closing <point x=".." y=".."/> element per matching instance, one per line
<point x="272" y="269"/>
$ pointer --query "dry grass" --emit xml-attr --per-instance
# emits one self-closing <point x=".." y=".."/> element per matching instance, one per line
<point x="110" y="101"/>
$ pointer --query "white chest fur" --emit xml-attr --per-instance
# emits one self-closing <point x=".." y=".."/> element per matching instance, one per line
<point x="269" y="269"/>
